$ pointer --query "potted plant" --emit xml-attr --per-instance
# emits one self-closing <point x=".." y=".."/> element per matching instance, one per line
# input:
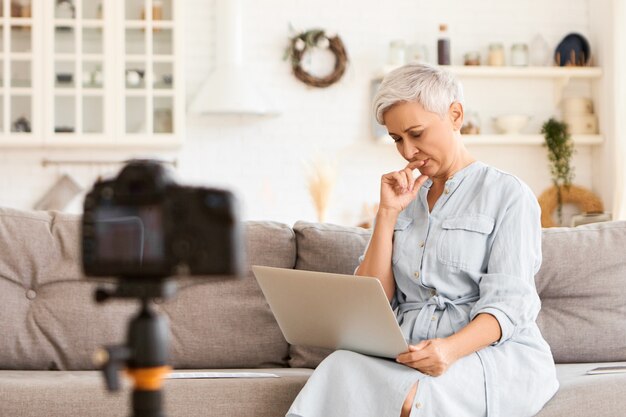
<point x="560" y="151"/>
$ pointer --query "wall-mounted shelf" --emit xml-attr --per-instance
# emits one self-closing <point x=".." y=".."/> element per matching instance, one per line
<point x="527" y="72"/>
<point x="484" y="71"/>
<point x="513" y="140"/>
<point x="528" y="139"/>
<point x="560" y="75"/>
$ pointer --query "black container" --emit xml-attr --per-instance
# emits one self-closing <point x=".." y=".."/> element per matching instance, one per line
<point x="443" y="46"/>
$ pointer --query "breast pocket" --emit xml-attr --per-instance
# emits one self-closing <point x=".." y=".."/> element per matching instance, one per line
<point x="400" y="235"/>
<point x="464" y="241"/>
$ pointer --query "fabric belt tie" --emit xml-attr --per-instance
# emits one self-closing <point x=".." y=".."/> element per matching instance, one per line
<point x="458" y="318"/>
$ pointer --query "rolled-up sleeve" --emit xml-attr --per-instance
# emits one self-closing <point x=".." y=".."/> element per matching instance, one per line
<point x="507" y="290"/>
<point x="394" y="300"/>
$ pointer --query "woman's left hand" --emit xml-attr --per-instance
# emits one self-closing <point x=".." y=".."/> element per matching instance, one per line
<point x="432" y="357"/>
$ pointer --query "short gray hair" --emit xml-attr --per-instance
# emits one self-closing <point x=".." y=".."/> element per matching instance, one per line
<point x="431" y="87"/>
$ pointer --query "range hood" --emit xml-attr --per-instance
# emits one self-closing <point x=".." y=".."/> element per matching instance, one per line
<point x="231" y="87"/>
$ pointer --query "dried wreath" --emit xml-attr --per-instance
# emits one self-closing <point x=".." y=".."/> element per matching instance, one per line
<point x="317" y="38"/>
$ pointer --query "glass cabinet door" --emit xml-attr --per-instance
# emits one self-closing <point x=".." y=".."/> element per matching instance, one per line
<point x="93" y="72"/>
<point x="148" y="73"/>
<point x="16" y="73"/>
<point x="78" y="74"/>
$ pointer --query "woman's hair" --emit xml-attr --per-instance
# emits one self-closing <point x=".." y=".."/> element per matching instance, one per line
<point x="431" y="87"/>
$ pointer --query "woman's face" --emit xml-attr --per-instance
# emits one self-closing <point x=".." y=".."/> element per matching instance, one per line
<point x="423" y="135"/>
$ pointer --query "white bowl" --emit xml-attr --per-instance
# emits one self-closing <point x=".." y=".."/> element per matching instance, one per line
<point x="511" y="123"/>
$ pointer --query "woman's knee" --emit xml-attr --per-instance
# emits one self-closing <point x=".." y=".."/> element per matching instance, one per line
<point x="408" y="402"/>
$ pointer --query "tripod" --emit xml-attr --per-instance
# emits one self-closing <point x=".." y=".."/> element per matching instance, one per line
<point x="145" y="354"/>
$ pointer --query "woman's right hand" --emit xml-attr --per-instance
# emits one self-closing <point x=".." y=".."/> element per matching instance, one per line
<point x="398" y="188"/>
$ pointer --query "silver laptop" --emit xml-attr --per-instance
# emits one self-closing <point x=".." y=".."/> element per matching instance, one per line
<point x="332" y="310"/>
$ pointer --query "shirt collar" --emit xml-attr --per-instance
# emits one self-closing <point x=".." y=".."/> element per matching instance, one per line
<point x="457" y="177"/>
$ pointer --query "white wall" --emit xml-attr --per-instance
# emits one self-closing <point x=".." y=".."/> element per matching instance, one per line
<point x="263" y="158"/>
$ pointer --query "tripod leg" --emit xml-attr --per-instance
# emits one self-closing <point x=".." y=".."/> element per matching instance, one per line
<point x="148" y="340"/>
<point x="147" y="403"/>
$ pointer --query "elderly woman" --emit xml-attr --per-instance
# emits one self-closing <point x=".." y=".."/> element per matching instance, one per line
<point x="456" y="251"/>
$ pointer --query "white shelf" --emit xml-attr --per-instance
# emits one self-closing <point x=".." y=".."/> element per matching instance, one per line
<point x="65" y="91"/>
<point x="484" y="71"/>
<point x="526" y="139"/>
<point x="142" y="24"/>
<point x="135" y="92"/>
<point x="512" y="140"/>
<point x="163" y="58"/>
<point x="20" y="91"/>
<point x="93" y="23"/>
<point x="155" y="58"/>
<point x="162" y="24"/>
<point x="20" y="21"/>
<point x="136" y="58"/>
<point x="163" y="92"/>
<point x="64" y="23"/>
<point x="18" y="140"/>
<point x="527" y="72"/>
<point x="92" y="57"/>
<point x="93" y="91"/>
<point x="65" y="57"/>
<point x="74" y="57"/>
<point x="21" y="56"/>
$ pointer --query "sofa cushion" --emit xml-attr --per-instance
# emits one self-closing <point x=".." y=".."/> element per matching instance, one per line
<point x="49" y="320"/>
<point x="327" y="248"/>
<point x="582" y="285"/>
<point x="82" y="393"/>
<point x="582" y="395"/>
<point x="228" y="323"/>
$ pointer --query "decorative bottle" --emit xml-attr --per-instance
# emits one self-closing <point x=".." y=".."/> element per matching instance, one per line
<point x="443" y="46"/>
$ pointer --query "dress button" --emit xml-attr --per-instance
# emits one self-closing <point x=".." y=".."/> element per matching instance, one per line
<point x="418" y="405"/>
<point x="31" y="294"/>
<point x="422" y="244"/>
<point x="433" y="292"/>
<point x="433" y="318"/>
<point x="447" y="191"/>
<point x="417" y="274"/>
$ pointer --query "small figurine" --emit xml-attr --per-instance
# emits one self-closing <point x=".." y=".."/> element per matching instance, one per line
<point x="65" y="9"/>
<point x="21" y="125"/>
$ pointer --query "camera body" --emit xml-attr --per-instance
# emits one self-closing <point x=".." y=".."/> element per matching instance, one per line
<point x="142" y="225"/>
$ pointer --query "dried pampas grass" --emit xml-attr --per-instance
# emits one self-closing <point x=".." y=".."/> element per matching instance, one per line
<point x="321" y="178"/>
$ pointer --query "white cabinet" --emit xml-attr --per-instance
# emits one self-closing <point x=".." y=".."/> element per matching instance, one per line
<point x="92" y="73"/>
<point x="559" y="77"/>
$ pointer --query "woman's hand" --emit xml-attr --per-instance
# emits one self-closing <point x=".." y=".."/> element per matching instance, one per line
<point x="398" y="188"/>
<point x="431" y="357"/>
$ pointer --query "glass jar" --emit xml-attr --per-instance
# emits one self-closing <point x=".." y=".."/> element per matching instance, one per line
<point x="417" y="52"/>
<point x="496" y="55"/>
<point x="471" y="58"/>
<point x="471" y="124"/>
<point x="539" y="51"/>
<point x="397" y="53"/>
<point x="519" y="55"/>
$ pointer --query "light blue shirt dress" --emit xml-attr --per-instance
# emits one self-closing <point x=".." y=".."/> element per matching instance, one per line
<point x="476" y="252"/>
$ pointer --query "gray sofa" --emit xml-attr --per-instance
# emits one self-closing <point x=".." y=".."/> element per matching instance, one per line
<point x="50" y="327"/>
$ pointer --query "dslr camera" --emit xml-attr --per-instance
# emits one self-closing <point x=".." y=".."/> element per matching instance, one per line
<point x="142" y="225"/>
